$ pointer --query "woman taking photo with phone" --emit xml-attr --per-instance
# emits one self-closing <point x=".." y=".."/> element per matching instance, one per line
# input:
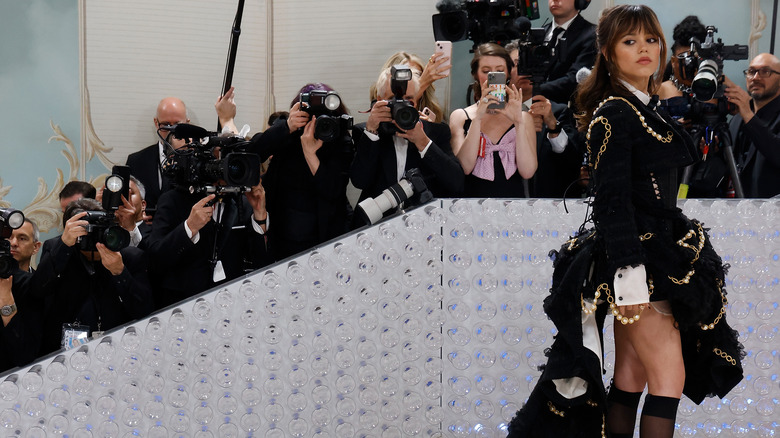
<point x="494" y="141"/>
<point x="643" y="261"/>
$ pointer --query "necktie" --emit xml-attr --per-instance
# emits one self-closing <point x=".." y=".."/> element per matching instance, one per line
<point x="554" y="39"/>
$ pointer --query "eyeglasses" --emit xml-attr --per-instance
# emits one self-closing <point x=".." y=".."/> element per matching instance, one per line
<point x="763" y="72"/>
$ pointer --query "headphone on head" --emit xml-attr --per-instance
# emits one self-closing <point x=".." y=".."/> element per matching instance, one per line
<point x="581" y="5"/>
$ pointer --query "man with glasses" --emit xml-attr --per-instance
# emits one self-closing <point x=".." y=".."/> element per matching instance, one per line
<point x="755" y="129"/>
<point x="146" y="164"/>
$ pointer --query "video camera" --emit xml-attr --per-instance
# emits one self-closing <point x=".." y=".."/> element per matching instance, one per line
<point x="534" y="53"/>
<point x="704" y="63"/>
<point x="210" y="163"/>
<point x="404" y="114"/>
<point x="10" y="220"/>
<point x="330" y="125"/>
<point x="482" y="21"/>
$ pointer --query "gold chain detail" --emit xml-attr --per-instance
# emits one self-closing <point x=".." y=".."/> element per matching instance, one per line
<point x="555" y="410"/>
<point x="614" y="308"/>
<point x="607" y="135"/>
<point x="590" y="308"/>
<point x="724" y="355"/>
<point x="696" y="252"/>
<point x="646" y="236"/>
<point x="659" y="137"/>
<point x="722" y="312"/>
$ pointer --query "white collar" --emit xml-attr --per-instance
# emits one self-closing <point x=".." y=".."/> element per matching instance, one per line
<point x="565" y="25"/>
<point x="642" y="96"/>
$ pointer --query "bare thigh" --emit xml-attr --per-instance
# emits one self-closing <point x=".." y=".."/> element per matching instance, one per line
<point x="649" y="351"/>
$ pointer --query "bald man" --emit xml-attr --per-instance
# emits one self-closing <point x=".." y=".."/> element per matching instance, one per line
<point x="146" y="163"/>
<point x="755" y="129"/>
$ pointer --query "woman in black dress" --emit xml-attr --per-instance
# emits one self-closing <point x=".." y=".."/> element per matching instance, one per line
<point x="643" y="261"/>
<point x="495" y="147"/>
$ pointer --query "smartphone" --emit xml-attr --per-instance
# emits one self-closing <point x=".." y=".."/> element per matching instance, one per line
<point x="497" y="84"/>
<point x="444" y="47"/>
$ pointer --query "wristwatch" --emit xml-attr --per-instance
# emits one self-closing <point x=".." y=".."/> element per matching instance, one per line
<point x="8" y="310"/>
<point x="557" y="129"/>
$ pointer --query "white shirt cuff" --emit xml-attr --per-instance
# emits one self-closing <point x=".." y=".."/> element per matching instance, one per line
<point x="631" y="286"/>
<point x="258" y="229"/>
<point x="559" y="142"/>
<point x="187" y="230"/>
<point x="135" y="237"/>
<point x="425" y="149"/>
<point x="371" y="136"/>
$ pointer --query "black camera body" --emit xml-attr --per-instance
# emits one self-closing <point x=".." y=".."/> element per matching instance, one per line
<point x="404" y="113"/>
<point x="481" y="21"/>
<point x="10" y="220"/>
<point x="411" y="190"/>
<point x="534" y="54"/>
<point x="102" y="228"/>
<point x="324" y="105"/>
<point x="705" y="64"/>
<point x="196" y="167"/>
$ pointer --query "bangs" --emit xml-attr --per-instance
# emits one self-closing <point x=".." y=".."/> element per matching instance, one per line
<point x="639" y="19"/>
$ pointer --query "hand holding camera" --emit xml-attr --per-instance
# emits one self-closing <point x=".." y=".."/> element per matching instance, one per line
<point x="380" y="113"/>
<point x="112" y="260"/>
<point x="256" y="198"/>
<point x="309" y="142"/>
<point x="75" y="227"/>
<point x="297" y="118"/>
<point x="200" y="214"/>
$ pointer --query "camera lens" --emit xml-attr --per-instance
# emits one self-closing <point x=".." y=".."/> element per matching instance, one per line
<point x="405" y="115"/>
<point x="7" y="266"/>
<point x="236" y="170"/>
<point x="241" y="169"/>
<point x="116" y="238"/>
<point x="326" y="128"/>
<point x="705" y="83"/>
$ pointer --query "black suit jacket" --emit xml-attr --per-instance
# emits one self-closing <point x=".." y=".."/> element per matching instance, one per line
<point x="576" y="49"/>
<point x="145" y="165"/>
<point x="307" y="209"/>
<point x="556" y="171"/>
<point x="757" y="151"/>
<point x="20" y="340"/>
<point x="182" y="268"/>
<point x="374" y="167"/>
<point x="74" y="289"/>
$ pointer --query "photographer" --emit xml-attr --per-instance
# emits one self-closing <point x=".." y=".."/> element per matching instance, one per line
<point x="756" y="128"/>
<point x="20" y="333"/>
<point x="200" y="241"/>
<point x="88" y="290"/>
<point x="573" y="40"/>
<point x="388" y="147"/>
<point x="307" y="179"/>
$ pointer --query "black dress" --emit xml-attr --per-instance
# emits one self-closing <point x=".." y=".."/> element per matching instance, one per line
<point x="501" y="186"/>
<point x="634" y="155"/>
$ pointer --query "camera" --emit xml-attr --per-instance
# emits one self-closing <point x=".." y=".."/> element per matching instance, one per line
<point x="372" y="209"/>
<point x="704" y="63"/>
<point x="102" y="228"/>
<point x="403" y="111"/>
<point x="210" y="163"/>
<point x="534" y="54"/>
<point x="324" y="105"/>
<point x="481" y="21"/>
<point x="116" y="186"/>
<point x="10" y="220"/>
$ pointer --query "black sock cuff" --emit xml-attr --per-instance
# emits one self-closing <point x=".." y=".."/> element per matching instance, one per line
<point x="660" y="406"/>
<point x="629" y="399"/>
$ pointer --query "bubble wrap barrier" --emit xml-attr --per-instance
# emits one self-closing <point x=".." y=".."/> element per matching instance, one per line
<point x="428" y="324"/>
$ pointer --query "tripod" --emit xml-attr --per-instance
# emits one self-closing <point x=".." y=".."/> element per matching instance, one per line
<point x="712" y="124"/>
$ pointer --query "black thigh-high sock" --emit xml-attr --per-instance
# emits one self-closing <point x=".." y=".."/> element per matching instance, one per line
<point x="621" y="412"/>
<point x="658" y="416"/>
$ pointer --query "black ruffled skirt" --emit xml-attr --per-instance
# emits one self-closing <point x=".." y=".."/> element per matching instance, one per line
<point x="686" y="271"/>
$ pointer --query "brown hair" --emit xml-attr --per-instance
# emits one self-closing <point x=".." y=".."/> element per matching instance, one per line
<point x="487" y="49"/>
<point x="603" y="81"/>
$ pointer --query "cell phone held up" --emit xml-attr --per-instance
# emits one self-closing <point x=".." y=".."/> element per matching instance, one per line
<point x="497" y="85"/>
<point x="444" y="48"/>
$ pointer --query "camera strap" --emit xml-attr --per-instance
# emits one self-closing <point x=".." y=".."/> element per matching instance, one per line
<point x="218" y="271"/>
